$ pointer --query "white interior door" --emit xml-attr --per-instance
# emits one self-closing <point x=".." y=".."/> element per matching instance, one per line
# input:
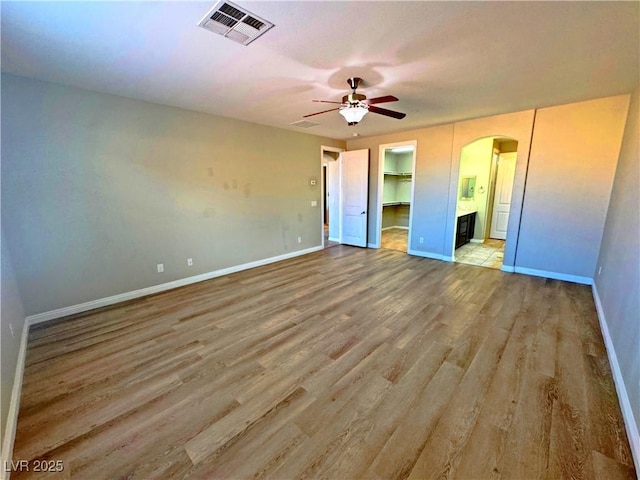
<point x="502" y="199"/>
<point x="354" y="197"/>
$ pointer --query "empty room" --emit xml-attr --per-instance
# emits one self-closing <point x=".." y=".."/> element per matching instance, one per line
<point x="317" y="239"/>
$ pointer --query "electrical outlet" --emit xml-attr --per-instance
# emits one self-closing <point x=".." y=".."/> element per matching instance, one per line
<point x="11" y="330"/>
<point x="190" y="262"/>
<point x="600" y="270"/>
<point x="421" y="239"/>
<point x="160" y="267"/>
<point x="299" y="239"/>
<point x="314" y="203"/>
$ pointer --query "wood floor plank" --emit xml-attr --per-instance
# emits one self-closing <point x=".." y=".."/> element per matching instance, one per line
<point x="316" y="457"/>
<point x="37" y="441"/>
<point x="267" y="444"/>
<point x="400" y="453"/>
<point x="257" y="405"/>
<point x="445" y="445"/>
<point x="346" y="363"/>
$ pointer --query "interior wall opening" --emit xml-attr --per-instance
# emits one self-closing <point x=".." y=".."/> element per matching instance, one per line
<point x="330" y="182"/>
<point x="397" y="169"/>
<point x="485" y="187"/>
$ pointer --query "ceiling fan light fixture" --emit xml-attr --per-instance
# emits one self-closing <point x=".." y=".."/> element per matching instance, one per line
<point x="355" y="106"/>
<point x="353" y="114"/>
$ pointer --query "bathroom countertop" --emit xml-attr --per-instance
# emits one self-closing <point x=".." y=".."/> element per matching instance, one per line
<point x="465" y="211"/>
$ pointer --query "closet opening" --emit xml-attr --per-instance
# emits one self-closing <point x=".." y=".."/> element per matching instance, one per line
<point x="396" y="171"/>
<point x="485" y="187"/>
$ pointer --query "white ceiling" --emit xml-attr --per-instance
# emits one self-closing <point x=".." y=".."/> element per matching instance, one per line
<point x="445" y="61"/>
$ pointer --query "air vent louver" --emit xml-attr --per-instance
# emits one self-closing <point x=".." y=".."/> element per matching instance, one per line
<point x="304" y="124"/>
<point x="234" y="22"/>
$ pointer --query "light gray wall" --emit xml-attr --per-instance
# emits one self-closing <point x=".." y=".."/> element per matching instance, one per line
<point x="437" y="170"/>
<point x="517" y="126"/>
<point x="98" y="189"/>
<point x="431" y="182"/>
<point x="574" y="152"/>
<point x="11" y="318"/>
<point x="567" y="185"/>
<point x="618" y="285"/>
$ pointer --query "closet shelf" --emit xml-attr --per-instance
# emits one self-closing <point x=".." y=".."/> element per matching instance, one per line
<point x="390" y="204"/>
<point x="399" y="174"/>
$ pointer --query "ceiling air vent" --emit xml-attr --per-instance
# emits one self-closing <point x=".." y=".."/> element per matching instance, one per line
<point x="304" y="124"/>
<point x="234" y="22"/>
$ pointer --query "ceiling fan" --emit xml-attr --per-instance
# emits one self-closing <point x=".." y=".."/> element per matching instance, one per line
<point x="355" y="106"/>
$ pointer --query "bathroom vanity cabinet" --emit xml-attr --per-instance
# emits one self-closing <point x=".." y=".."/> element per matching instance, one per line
<point x="466" y="226"/>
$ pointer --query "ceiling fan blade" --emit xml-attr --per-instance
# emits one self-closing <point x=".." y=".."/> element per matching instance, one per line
<point x="386" y="98"/>
<point x="318" y="113"/>
<point x="327" y="101"/>
<point x="388" y="113"/>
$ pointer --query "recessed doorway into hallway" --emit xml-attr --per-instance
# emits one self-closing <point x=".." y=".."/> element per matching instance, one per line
<point x="330" y="184"/>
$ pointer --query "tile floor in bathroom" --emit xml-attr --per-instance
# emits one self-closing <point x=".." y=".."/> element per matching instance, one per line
<point x="488" y="254"/>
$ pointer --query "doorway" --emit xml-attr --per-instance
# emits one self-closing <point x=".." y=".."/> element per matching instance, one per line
<point x="485" y="187"/>
<point x="330" y="196"/>
<point x="396" y="173"/>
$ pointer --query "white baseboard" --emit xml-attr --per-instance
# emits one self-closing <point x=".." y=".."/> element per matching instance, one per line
<point x="419" y="253"/>
<point x="143" y="292"/>
<point x="476" y="240"/>
<point x="394" y="226"/>
<point x="525" y="271"/>
<point x="12" y="415"/>
<point x="373" y="245"/>
<point x="554" y="275"/>
<point x="332" y="239"/>
<point x="623" y="397"/>
<point x="14" y="405"/>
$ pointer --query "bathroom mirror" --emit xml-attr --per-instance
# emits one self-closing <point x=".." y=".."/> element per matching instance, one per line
<point x="467" y="187"/>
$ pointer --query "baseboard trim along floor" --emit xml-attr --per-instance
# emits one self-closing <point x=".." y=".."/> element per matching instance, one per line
<point x="163" y="287"/>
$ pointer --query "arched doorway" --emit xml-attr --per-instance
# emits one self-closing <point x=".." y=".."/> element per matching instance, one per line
<point x="485" y="186"/>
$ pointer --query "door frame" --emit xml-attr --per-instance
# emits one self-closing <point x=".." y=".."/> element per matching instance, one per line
<point x="378" y="219"/>
<point x="323" y="192"/>
<point x="492" y="190"/>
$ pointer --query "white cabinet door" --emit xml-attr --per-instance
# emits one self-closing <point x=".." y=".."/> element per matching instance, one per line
<point x="355" y="195"/>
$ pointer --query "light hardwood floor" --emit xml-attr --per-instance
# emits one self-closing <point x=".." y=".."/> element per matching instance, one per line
<point x="395" y="239"/>
<point x="345" y="363"/>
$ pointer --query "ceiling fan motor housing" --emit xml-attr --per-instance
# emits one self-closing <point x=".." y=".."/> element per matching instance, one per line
<point x="354" y="98"/>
